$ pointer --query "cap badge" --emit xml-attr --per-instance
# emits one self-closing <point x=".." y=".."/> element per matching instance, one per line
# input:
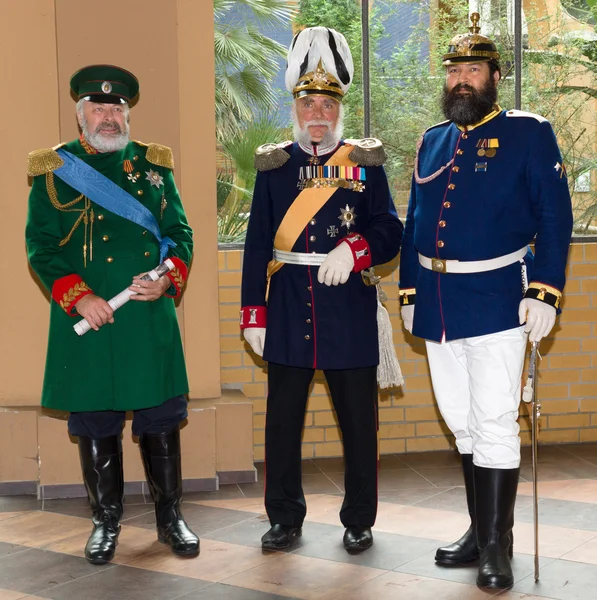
<point x="106" y="87"/>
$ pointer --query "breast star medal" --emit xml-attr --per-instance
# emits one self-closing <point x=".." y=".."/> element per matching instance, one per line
<point x="347" y="217"/>
<point x="154" y="178"/>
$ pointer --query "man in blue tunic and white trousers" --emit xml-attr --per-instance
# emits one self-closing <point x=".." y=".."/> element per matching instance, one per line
<point x="486" y="183"/>
<point x="322" y="213"/>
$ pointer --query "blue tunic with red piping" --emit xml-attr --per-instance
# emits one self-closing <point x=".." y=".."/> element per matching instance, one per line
<point x="310" y="324"/>
<point x="505" y="185"/>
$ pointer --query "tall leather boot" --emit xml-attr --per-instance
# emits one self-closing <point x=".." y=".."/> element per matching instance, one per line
<point x="101" y="463"/>
<point x="495" y="496"/>
<point x="465" y="550"/>
<point x="161" y="459"/>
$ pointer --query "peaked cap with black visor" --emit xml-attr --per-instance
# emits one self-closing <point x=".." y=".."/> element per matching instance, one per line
<point x="319" y="62"/>
<point x="106" y="84"/>
<point x="472" y="47"/>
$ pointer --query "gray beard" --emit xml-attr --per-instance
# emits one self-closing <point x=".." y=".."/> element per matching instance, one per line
<point x="103" y="143"/>
<point x="330" y="138"/>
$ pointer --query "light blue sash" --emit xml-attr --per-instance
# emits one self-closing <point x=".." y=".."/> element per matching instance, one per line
<point x="97" y="187"/>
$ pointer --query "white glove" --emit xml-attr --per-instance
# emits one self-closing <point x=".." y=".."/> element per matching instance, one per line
<point x="256" y="338"/>
<point x="540" y="318"/>
<point x="408" y="316"/>
<point x="337" y="266"/>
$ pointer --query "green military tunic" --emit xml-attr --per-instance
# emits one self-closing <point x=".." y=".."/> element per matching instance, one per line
<point x="75" y="245"/>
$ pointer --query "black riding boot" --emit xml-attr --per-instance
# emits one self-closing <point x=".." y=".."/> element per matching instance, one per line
<point x="161" y="459"/>
<point x="465" y="550"/>
<point x="495" y="496"/>
<point x="101" y="463"/>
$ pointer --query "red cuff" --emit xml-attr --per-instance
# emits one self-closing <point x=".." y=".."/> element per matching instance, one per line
<point x="360" y="251"/>
<point x="253" y="316"/>
<point x="67" y="291"/>
<point x="178" y="276"/>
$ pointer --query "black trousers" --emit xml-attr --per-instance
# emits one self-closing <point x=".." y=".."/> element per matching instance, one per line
<point x="151" y="421"/>
<point x="354" y="395"/>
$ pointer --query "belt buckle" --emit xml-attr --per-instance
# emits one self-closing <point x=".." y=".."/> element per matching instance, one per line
<point x="438" y="265"/>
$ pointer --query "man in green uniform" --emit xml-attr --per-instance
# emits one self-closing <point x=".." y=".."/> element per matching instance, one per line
<point x="103" y="211"/>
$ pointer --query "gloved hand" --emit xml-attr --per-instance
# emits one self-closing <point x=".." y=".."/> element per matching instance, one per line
<point x="408" y="316"/>
<point x="540" y="318"/>
<point x="337" y="266"/>
<point x="256" y="338"/>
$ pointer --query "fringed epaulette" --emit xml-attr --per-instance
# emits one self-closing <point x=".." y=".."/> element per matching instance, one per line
<point x="40" y="162"/>
<point x="158" y="154"/>
<point x="271" y="156"/>
<point x="367" y="152"/>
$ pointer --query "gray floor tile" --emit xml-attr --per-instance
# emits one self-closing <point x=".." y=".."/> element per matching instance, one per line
<point x="219" y="591"/>
<point x="399" y="479"/>
<point x="553" y="469"/>
<point x="9" y="549"/>
<point x="563" y="580"/>
<point x="425" y="566"/>
<point x="410" y="497"/>
<point x="562" y="513"/>
<point x="201" y="519"/>
<point x="126" y="583"/>
<point x="36" y="570"/>
<point x="430" y="460"/>
<point x="252" y="490"/>
<point x="226" y="492"/>
<point x="246" y="533"/>
<point x="389" y="551"/>
<point x="79" y="507"/>
<point x="17" y="503"/>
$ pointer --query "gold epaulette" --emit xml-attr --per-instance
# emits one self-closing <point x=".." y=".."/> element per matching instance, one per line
<point x="158" y="154"/>
<point x="271" y="156"/>
<point x="367" y="152"/>
<point x="40" y="162"/>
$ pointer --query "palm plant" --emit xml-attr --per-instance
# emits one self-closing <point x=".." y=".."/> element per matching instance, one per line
<point x="246" y="60"/>
<point x="237" y="176"/>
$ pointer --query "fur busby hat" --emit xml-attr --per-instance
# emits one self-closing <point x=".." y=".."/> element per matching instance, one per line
<point x="319" y="62"/>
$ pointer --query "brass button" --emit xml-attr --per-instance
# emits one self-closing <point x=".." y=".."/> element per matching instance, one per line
<point x="442" y="223"/>
<point x="139" y="192"/>
<point x="135" y="158"/>
<point x="451" y="186"/>
<point x="456" y="169"/>
<point x="309" y="304"/>
<point x="312" y="238"/>
<point x="464" y="136"/>
<point x="147" y="253"/>
<point x="309" y="288"/>
<point x="460" y="151"/>
<point x="440" y="244"/>
<point x="105" y="238"/>
<point x="145" y="232"/>
<point x="447" y="204"/>
<point x="307" y="337"/>
<point x="109" y="259"/>
<point x="308" y="321"/>
<point x="313" y="221"/>
<point x="100" y="217"/>
<point x="137" y="174"/>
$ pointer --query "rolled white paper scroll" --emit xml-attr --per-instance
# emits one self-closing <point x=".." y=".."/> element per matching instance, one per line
<point x="119" y="300"/>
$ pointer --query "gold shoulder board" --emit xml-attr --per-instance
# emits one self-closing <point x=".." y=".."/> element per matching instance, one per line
<point x="271" y="156"/>
<point x="40" y="162"/>
<point x="159" y="155"/>
<point x="367" y="152"/>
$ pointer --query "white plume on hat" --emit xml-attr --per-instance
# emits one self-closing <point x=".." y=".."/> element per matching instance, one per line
<point x="313" y="44"/>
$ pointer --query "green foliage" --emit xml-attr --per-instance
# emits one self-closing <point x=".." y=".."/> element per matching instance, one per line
<point x="246" y="61"/>
<point x="237" y="176"/>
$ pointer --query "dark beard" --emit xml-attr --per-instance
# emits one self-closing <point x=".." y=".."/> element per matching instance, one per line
<point x="468" y="110"/>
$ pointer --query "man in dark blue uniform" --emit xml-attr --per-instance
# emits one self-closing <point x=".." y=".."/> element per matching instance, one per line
<point x="486" y="182"/>
<point x="322" y="213"/>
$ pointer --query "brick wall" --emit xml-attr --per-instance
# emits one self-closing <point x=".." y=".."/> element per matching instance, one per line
<point x="409" y="419"/>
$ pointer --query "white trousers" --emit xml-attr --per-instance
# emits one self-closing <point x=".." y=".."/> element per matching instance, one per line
<point x="477" y="384"/>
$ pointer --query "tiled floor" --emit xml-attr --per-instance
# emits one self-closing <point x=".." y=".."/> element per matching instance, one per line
<point x="422" y="505"/>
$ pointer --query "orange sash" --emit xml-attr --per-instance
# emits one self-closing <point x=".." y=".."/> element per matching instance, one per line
<point x="305" y="206"/>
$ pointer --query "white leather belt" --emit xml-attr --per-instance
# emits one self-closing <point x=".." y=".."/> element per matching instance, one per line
<point x="441" y="265"/>
<point x="299" y="258"/>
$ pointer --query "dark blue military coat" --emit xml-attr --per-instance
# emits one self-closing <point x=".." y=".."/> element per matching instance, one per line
<point x="485" y="205"/>
<point x="310" y="324"/>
